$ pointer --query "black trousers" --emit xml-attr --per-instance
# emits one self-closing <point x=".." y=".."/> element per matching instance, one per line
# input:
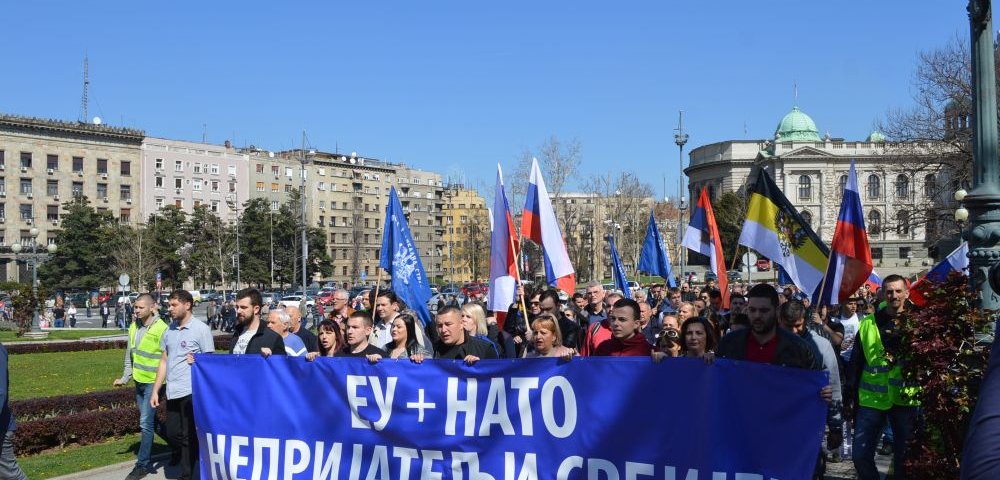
<point x="181" y="430"/>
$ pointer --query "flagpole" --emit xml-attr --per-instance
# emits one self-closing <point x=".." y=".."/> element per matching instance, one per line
<point x="378" y="283"/>
<point x="517" y="271"/>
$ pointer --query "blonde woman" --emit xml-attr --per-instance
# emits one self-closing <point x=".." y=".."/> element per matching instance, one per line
<point x="547" y="339"/>
<point x="474" y="323"/>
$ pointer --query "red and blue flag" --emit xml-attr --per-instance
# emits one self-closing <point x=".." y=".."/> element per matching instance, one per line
<point x="539" y="225"/>
<point x="850" y="261"/>
<point x="702" y="236"/>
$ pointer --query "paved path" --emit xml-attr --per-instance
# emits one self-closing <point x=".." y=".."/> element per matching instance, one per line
<point x="121" y="470"/>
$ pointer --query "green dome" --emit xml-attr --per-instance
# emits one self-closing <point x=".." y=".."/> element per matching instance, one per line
<point x="796" y="127"/>
<point x="876" y="137"/>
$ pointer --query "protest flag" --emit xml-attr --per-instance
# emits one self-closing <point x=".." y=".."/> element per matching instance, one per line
<point x="775" y="229"/>
<point x="653" y="259"/>
<point x="956" y="261"/>
<point x="850" y="261"/>
<point x="621" y="281"/>
<point x="400" y="258"/>
<point x="874" y="281"/>
<point x="503" y="255"/>
<point x="702" y="236"/>
<point x="538" y="224"/>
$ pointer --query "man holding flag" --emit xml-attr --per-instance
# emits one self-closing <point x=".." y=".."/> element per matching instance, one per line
<point x="653" y="259"/>
<point x="702" y="236"/>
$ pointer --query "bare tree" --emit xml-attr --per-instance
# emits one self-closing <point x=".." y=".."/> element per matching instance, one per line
<point x="133" y="254"/>
<point x="473" y="251"/>
<point x="625" y="203"/>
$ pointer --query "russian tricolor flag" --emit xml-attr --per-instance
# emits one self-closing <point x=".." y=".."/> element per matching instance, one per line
<point x="850" y="262"/>
<point x="539" y="225"/>
<point x="874" y="281"/>
<point x="702" y="236"/>
<point x="503" y="255"/>
<point x="956" y="261"/>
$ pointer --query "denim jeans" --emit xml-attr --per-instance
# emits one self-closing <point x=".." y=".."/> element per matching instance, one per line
<point x="147" y="423"/>
<point x="868" y="429"/>
<point x="9" y="468"/>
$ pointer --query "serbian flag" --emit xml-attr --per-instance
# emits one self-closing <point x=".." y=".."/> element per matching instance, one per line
<point x="503" y="255"/>
<point x="539" y="225"/>
<point x="850" y="261"/>
<point x="702" y="236"/>
<point x="956" y="261"/>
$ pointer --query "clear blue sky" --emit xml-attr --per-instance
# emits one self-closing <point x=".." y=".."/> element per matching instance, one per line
<point x="456" y="86"/>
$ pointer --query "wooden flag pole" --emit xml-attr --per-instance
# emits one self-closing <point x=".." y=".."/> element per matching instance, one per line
<point x="378" y="283"/>
<point x="517" y="272"/>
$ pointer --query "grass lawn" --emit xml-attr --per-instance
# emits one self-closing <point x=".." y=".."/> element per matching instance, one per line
<point x="78" y="458"/>
<point x="8" y="336"/>
<point x="47" y="374"/>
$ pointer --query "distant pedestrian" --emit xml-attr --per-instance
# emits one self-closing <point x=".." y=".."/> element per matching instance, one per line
<point x="86" y="305"/>
<point x="72" y="315"/>
<point x="105" y="313"/>
<point x="59" y="316"/>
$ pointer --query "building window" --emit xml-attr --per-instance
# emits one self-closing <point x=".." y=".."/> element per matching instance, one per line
<point x="77" y="188"/>
<point x="874" y="222"/>
<point x="178" y="166"/>
<point x="232" y="187"/>
<point x="126" y="168"/>
<point x="215" y="169"/>
<point x="179" y="203"/>
<point x="102" y="190"/>
<point x="102" y="166"/>
<point x="215" y="206"/>
<point x="874" y="187"/>
<point x="903" y="222"/>
<point x="25" y="159"/>
<point x="289" y="172"/>
<point x="125" y="216"/>
<point x="159" y="164"/>
<point x="275" y="170"/>
<point x="842" y="184"/>
<point x="52" y="162"/>
<point x="159" y="202"/>
<point x="26" y="211"/>
<point x="52" y="188"/>
<point x="178" y="183"/>
<point x="231" y="169"/>
<point x="215" y="185"/>
<point x="25" y="186"/>
<point x="197" y="168"/>
<point x="196" y="185"/>
<point x="77" y="164"/>
<point x="805" y="187"/>
<point x="274" y="188"/>
<point x="288" y="188"/>
<point x="52" y="212"/>
<point x="158" y="182"/>
<point x="902" y="186"/>
<point x="260" y="186"/>
<point x="3" y="157"/>
<point x="126" y="192"/>
<point x="930" y="185"/>
<point x="904" y="253"/>
<point x="274" y="205"/>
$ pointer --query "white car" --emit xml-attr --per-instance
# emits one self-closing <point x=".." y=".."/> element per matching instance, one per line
<point x="295" y="300"/>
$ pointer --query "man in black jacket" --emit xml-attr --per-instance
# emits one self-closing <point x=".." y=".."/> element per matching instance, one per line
<point x="454" y="343"/>
<point x="549" y="303"/>
<point x="764" y="342"/>
<point x="250" y="335"/>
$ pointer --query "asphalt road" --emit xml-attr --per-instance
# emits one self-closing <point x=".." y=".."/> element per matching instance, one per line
<point x="94" y="320"/>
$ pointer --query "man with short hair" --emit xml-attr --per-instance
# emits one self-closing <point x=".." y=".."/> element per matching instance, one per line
<point x="184" y="338"/>
<point x="308" y="338"/>
<point x="876" y="370"/>
<point x="647" y="326"/>
<point x="595" y="311"/>
<point x="454" y="343"/>
<point x="340" y="306"/>
<point x="764" y="342"/>
<point x="359" y="329"/>
<point x="626" y="339"/>
<point x="549" y="303"/>
<point x="386" y="310"/>
<point x="142" y="361"/>
<point x="280" y="322"/>
<point x="250" y="336"/>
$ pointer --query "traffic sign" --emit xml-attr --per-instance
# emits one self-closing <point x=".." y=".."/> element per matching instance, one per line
<point x="123" y="280"/>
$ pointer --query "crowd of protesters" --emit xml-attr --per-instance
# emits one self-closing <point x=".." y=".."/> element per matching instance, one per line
<point x="854" y="343"/>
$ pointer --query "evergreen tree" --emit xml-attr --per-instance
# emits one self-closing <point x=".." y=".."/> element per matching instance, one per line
<point x="168" y="242"/>
<point x="210" y="245"/>
<point x="82" y="260"/>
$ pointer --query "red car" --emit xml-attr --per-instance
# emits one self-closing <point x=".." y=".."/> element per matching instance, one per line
<point x="325" y="298"/>
<point x="474" y="289"/>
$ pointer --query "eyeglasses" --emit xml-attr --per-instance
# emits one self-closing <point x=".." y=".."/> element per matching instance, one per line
<point x="534" y="304"/>
<point x="668" y="332"/>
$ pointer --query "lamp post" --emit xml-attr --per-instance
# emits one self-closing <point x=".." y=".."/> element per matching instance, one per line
<point x="302" y="207"/>
<point x="680" y="138"/>
<point x="983" y="202"/>
<point x="33" y="259"/>
<point x="233" y="201"/>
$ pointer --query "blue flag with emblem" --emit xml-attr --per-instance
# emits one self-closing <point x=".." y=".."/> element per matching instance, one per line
<point x="621" y="282"/>
<point x="653" y="259"/>
<point x="400" y="258"/>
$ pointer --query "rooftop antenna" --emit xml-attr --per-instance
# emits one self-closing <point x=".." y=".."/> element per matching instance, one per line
<point x="84" y="102"/>
<point x="795" y="93"/>
<point x="204" y="133"/>
<point x="746" y="133"/>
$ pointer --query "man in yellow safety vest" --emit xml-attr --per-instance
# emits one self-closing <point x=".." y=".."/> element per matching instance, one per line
<point x="142" y="358"/>
<point x="877" y="373"/>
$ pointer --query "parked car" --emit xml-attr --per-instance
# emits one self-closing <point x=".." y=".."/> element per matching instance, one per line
<point x="295" y="300"/>
<point x="711" y="276"/>
<point x="734" y="276"/>
<point x="325" y="298"/>
<point x="196" y="295"/>
<point x="432" y="304"/>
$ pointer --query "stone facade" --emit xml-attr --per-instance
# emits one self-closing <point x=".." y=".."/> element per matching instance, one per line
<point x="44" y="163"/>
<point x="188" y="174"/>
<point x="467" y="234"/>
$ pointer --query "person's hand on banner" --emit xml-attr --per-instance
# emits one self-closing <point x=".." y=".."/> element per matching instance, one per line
<point x="471" y="359"/>
<point x="827" y="394"/>
<point x="189" y="358"/>
<point x="417" y="358"/>
<point x="373" y="358"/>
<point x="311" y="356"/>
<point x="265" y="352"/>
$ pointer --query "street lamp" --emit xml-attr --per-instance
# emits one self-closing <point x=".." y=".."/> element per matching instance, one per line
<point x="233" y="201"/>
<point x="33" y="259"/>
<point x="680" y="138"/>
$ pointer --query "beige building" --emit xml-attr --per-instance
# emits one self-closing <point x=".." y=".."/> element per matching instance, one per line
<point x="44" y="163"/>
<point x="896" y="189"/>
<point x="467" y="237"/>
<point x="189" y="174"/>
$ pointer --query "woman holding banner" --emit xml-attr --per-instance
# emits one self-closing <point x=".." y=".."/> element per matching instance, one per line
<point x="548" y="339"/>
<point x="404" y="342"/>
<point x="699" y="338"/>
<point x="331" y="340"/>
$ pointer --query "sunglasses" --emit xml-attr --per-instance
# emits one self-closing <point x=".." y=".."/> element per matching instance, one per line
<point x="668" y="332"/>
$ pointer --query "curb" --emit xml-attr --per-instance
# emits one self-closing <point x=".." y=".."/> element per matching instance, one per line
<point x="100" y="472"/>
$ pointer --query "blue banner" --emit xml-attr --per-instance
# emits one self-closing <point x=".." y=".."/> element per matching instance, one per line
<point x="616" y="418"/>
